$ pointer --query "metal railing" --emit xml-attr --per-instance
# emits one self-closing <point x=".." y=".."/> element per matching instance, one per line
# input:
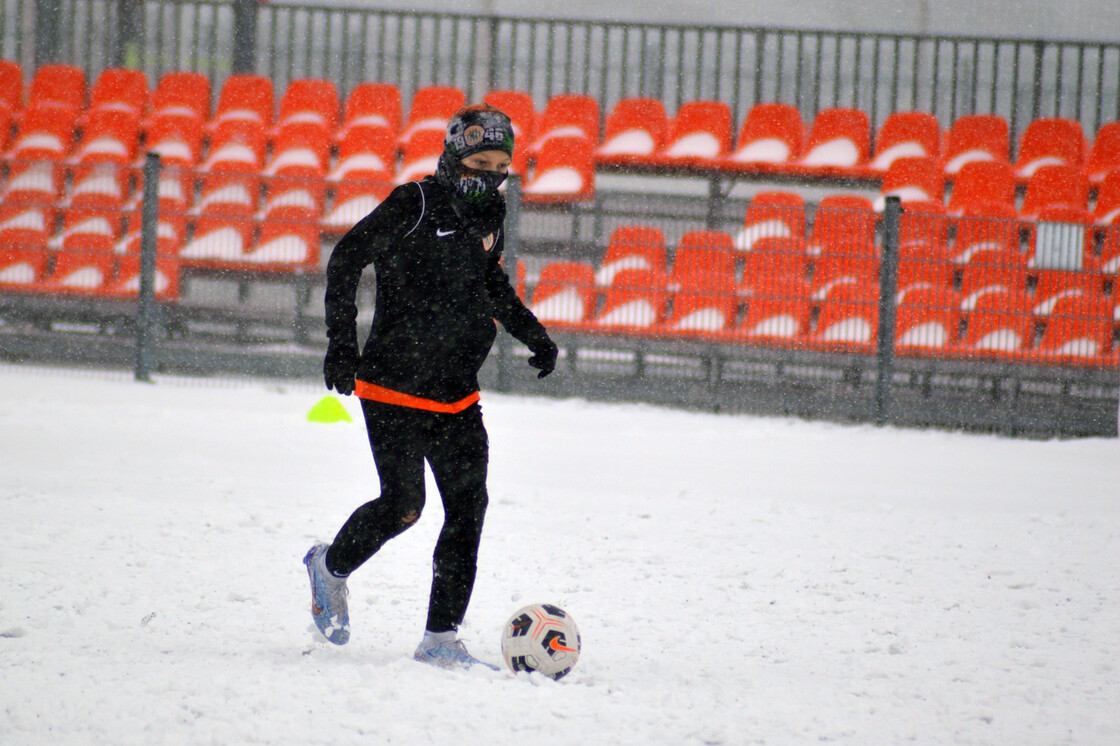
<point x="949" y="76"/>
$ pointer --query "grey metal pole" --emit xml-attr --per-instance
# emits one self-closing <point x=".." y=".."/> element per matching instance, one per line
<point x="146" y="310"/>
<point x="512" y="246"/>
<point x="244" y="36"/>
<point x="47" y="36"/>
<point x="888" y="286"/>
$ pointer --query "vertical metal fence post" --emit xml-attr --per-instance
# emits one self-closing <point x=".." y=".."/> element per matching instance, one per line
<point x="509" y="255"/>
<point x="245" y="36"/>
<point x="146" y="309"/>
<point x="47" y="31"/>
<point x="888" y="284"/>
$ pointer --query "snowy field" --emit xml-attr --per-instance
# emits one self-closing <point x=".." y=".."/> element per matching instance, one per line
<point x="737" y="580"/>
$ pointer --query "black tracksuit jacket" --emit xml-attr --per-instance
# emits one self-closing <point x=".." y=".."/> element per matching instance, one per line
<point x="438" y="293"/>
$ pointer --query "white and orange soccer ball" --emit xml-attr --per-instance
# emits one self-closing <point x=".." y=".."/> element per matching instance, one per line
<point x="542" y="638"/>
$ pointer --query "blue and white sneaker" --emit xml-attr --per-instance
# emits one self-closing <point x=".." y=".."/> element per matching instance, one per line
<point x="452" y="654"/>
<point x="328" y="597"/>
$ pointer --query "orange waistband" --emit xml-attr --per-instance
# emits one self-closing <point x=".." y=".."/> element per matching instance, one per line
<point x="373" y="392"/>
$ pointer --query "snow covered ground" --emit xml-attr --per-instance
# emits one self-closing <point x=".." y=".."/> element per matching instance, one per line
<point x="737" y="580"/>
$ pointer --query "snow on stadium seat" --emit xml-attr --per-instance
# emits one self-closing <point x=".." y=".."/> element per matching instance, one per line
<point x="182" y="94"/>
<point x="774" y="214"/>
<point x="982" y="183"/>
<point x="928" y="320"/>
<point x="912" y="179"/>
<point x="21" y="268"/>
<point x="109" y="136"/>
<point x="1104" y="156"/>
<point x="228" y="194"/>
<point x="120" y="89"/>
<point x="776" y="266"/>
<point x="372" y="106"/>
<point x="45" y="133"/>
<point x="564" y="171"/>
<point x="353" y="200"/>
<point x="11" y="86"/>
<point x="704" y="251"/>
<point x="567" y="115"/>
<point x="699" y="136"/>
<point x="300" y="157"/>
<point x="522" y="112"/>
<point x="431" y="109"/>
<point x="632" y="247"/>
<point x="309" y="101"/>
<point x="1079" y="329"/>
<point x="368" y="153"/>
<point x="1054" y="185"/>
<point x="635" y="301"/>
<point x="89" y="230"/>
<point x="703" y="303"/>
<point x="985" y="226"/>
<point x="772" y="136"/>
<point x="841" y="219"/>
<point x="1106" y="209"/>
<point x="292" y="199"/>
<point x="848" y="318"/>
<point x="906" y="134"/>
<point x="58" y="86"/>
<point x="998" y="323"/>
<point x="976" y="137"/>
<point x="775" y="318"/>
<point x="218" y="241"/>
<point x="564" y="294"/>
<point x="1054" y="286"/>
<point x="238" y="147"/>
<point x="1049" y="142"/>
<point x="243" y="98"/>
<point x="635" y="130"/>
<point x="127" y="284"/>
<point x="839" y="143"/>
<point x="420" y="155"/>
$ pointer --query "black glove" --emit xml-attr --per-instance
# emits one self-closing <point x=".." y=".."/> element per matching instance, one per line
<point x="340" y="366"/>
<point x="544" y="357"/>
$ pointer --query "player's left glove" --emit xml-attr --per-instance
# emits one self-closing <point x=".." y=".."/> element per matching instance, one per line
<point x="544" y="357"/>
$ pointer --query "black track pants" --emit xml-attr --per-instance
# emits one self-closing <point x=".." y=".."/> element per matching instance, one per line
<point x="457" y="449"/>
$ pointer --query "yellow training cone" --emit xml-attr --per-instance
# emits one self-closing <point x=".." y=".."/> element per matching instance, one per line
<point x="329" y="409"/>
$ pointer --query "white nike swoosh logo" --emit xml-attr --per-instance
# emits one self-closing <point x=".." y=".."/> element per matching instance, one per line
<point x="440" y="232"/>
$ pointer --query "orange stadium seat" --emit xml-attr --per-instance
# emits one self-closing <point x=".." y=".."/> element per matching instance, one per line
<point x="998" y="323"/>
<point x="924" y="222"/>
<point x="58" y="86"/>
<point x="102" y="186"/>
<point x="848" y="318"/>
<point x="1106" y="209"/>
<point x="990" y="269"/>
<point x="218" y="241"/>
<point x="635" y="130"/>
<point x="45" y="133"/>
<point x="128" y="277"/>
<point x="632" y="247"/>
<point x="1059" y="285"/>
<point x="1050" y="142"/>
<point x="1080" y="329"/>
<point x="775" y="214"/>
<point x="703" y="303"/>
<point x="234" y="194"/>
<point x="109" y="136"/>
<point x="635" y="301"/>
<point x="372" y="105"/>
<point x="906" y="134"/>
<point x="237" y="148"/>
<point x="285" y="245"/>
<point x="567" y="115"/>
<point x="928" y="321"/>
<point x="90" y="230"/>
<point x="420" y="155"/>
<point x="81" y="272"/>
<point x="1104" y="157"/>
<point x="564" y="294"/>
<point x="244" y="98"/>
<point x="1054" y="185"/>
<point x="982" y="183"/>
<point x="182" y="94"/>
<point x="839" y="143"/>
<point x="772" y="136"/>
<point x="986" y="226"/>
<point x="699" y="135"/>
<point x="300" y="151"/>
<point x="776" y="267"/>
<point x="977" y="137"/>
<point x="33" y="183"/>
<point x="310" y="101"/>
<point x="564" y="171"/>
<point x="775" y="319"/>
<point x="854" y="264"/>
<point x="170" y="232"/>
<point x="704" y="251"/>
<point x="367" y="153"/>
<point x="176" y="138"/>
<point x="912" y="179"/>
<point x="120" y="89"/>
<point x="841" y="219"/>
<point x="26" y="227"/>
<point x="21" y="268"/>
<point x="431" y="109"/>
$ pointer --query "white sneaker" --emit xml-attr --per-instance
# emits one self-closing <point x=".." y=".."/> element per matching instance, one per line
<point x="452" y="654"/>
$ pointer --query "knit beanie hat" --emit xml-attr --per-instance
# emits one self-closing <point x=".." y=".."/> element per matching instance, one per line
<point x="472" y="130"/>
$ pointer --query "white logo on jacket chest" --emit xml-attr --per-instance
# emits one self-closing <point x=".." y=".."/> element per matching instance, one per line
<point x="441" y="232"/>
